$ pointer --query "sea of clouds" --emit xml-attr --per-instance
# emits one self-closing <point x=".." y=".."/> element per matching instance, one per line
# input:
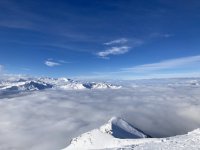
<point x="47" y="120"/>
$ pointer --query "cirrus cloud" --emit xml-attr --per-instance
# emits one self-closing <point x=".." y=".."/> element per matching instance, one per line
<point x="167" y="64"/>
<point x="51" y="63"/>
<point x="113" y="51"/>
<point x="118" y="41"/>
<point x="119" y="46"/>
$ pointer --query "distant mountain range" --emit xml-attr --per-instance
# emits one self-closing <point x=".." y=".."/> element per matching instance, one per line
<point x="33" y="84"/>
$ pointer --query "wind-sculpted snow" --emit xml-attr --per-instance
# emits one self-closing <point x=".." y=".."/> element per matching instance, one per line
<point x="49" y="119"/>
<point x="119" y="128"/>
<point x="97" y="139"/>
<point x="111" y="134"/>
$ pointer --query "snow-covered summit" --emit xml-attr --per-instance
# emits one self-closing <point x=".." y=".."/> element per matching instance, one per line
<point x="114" y="133"/>
<point x="119" y="128"/>
<point x="104" y="138"/>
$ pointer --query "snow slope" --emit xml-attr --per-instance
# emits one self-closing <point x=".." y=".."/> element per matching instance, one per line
<point x="118" y="134"/>
<point x="190" y="141"/>
<point x="115" y="133"/>
<point x="119" y="128"/>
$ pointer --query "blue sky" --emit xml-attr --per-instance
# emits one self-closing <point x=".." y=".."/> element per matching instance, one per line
<point x="122" y="39"/>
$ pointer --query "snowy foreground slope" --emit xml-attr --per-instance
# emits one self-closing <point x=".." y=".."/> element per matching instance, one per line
<point x="117" y="134"/>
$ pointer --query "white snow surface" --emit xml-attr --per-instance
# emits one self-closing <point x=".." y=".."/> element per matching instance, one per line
<point x="102" y="139"/>
<point x="117" y="127"/>
<point x="107" y="136"/>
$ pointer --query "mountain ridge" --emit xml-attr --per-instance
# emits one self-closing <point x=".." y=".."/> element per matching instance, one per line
<point x="104" y="139"/>
<point x="113" y="132"/>
<point x="35" y="84"/>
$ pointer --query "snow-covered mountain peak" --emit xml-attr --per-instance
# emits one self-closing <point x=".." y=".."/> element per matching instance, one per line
<point x="119" y="128"/>
<point x="64" y="79"/>
<point x="114" y="133"/>
<point x="117" y="120"/>
<point x="103" y="139"/>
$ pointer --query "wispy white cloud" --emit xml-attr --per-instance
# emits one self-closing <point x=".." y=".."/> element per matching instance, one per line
<point x="118" y="41"/>
<point x="51" y="63"/>
<point x="171" y="68"/>
<point x="113" y="51"/>
<point x="166" y="64"/>
<point x="119" y="46"/>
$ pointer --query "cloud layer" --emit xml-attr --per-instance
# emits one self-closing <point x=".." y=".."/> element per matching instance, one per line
<point x="48" y="120"/>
